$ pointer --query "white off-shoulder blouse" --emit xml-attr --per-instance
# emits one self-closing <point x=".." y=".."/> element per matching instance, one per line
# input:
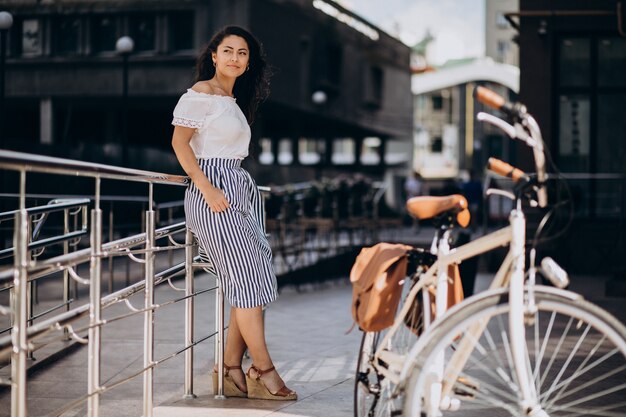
<point x="222" y="130"/>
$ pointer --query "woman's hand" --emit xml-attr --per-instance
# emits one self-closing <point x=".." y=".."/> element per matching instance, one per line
<point x="215" y="199"/>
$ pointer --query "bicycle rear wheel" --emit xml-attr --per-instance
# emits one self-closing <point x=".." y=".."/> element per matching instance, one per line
<point x="576" y="356"/>
<point x="374" y="394"/>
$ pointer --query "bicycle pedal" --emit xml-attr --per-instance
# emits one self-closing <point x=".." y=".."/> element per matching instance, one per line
<point x="466" y="388"/>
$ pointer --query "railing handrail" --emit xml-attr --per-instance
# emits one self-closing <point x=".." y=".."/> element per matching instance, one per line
<point x="58" y="205"/>
<point x="38" y="163"/>
<point x="63" y="319"/>
<point x="83" y="255"/>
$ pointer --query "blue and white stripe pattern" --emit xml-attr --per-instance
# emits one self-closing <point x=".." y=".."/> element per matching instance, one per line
<point x="234" y="240"/>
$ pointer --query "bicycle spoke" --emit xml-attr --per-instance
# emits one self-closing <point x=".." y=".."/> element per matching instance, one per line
<point x="587" y="384"/>
<point x="602" y="411"/>
<point x="591" y="397"/>
<point x="554" y="354"/>
<point x="509" y="356"/>
<point x="544" y="345"/>
<point x="581" y="368"/>
<point x="568" y="361"/>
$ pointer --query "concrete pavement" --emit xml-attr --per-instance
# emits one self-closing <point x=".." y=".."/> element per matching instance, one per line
<point x="306" y="336"/>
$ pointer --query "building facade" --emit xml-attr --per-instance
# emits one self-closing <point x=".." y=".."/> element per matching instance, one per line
<point x="340" y="96"/>
<point x="500" y="35"/>
<point x="572" y="62"/>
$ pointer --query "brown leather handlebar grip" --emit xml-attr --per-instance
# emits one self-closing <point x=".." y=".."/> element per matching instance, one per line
<point x="488" y="97"/>
<point x="504" y="169"/>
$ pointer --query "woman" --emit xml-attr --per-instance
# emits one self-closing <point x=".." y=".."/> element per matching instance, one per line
<point x="223" y="207"/>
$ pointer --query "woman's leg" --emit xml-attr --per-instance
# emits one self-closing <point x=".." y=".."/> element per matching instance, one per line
<point x="234" y="350"/>
<point x="251" y="326"/>
<point x="235" y="345"/>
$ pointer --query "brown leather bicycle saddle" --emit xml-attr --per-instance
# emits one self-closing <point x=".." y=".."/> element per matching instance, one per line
<point x="428" y="207"/>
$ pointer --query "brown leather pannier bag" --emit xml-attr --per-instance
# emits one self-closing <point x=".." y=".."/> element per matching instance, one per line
<point x="376" y="278"/>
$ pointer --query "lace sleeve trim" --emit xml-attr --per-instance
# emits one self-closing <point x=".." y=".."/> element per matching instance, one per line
<point x="181" y="121"/>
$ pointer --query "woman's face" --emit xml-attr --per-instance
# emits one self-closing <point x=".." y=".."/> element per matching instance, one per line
<point x="232" y="56"/>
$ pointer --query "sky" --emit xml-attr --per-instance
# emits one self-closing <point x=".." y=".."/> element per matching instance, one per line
<point x="457" y="25"/>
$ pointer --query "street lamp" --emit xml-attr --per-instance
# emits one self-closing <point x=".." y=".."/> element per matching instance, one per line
<point x="124" y="46"/>
<point x="6" y="21"/>
<point x="319" y="97"/>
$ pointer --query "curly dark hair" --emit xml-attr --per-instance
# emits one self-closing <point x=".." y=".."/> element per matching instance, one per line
<point x="253" y="86"/>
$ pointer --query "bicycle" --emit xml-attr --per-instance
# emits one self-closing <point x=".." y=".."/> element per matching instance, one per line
<point x="376" y="366"/>
<point x="516" y="349"/>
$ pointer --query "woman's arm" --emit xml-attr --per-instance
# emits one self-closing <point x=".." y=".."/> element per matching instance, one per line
<point x="213" y="196"/>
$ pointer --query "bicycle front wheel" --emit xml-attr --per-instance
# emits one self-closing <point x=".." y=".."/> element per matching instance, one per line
<point x="576" y="359"/>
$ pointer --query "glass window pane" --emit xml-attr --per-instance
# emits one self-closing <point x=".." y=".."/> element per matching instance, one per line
<point x="574" y="133"/>
<point x="501" y="21"/>
<point x="574" y="62"/>
<point x="370" y="151"/>
<point x="612" y="62"/>
<point x="181" y="29"/>
<point x="310" y="151"/>
<point x="67" y="35"/>
<point x="266" y="157"/>
<point x="143" y="30"/>
<point x="285" y="153"/>
<point x="103" y="34"/>
<point x="343" y="151"/>
<point x="611" y="133"/>
<point x="31" y="37"/>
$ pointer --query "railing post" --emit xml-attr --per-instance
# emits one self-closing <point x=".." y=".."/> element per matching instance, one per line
<point x="30" y="286"/>
<point x="66" y="274"/>
<point x="95" y="308"/>
<point x="189" y="315"/>
<point x="148" y="341"/>
<point x="219" y="340"/>
<point x="20" y="295"/>
<point x="111" y="283"/>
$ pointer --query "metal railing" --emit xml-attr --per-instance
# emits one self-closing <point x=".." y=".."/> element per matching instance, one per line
<point x="27" y="269"/>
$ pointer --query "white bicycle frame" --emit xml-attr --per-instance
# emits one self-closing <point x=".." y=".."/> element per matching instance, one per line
<point x="511" y="272"/>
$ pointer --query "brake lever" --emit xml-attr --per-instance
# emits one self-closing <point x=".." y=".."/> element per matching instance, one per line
<point x="516" y="131"/>
<point x="496" y="121"/>
<point x="495" y="191"/>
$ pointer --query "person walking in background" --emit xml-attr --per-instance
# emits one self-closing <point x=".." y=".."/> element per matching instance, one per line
<point x="223" y="206"/>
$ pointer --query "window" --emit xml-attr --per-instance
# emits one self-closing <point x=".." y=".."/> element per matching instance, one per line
<point x="333" y="65"/>
<point x="143" y="31"/>
<point x="373" y="89"/>
<point x="574" y="133"/>
<point x="31" y="37"/>
<point x="181" y="30"/>
<point x="67" y="35"/>
<point x="310" y="151"/>
<point x="285" y="153"/>
<point x="612" y="62"/>
<point x="436" y="145"/>
<point x="370" y="151"/>
<point x="611" y="125"/>
<point x="103" y="33"/>
<point x="574" y="59"/>
<point x="501" y="21"/>
<point x="437" y="102"/>
<point x="267" y="156"/>
<point x="343" y="151"/>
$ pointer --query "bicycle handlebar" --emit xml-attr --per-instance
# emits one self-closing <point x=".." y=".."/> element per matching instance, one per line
<point x="523" y="121"/>
<point x="506" y="170"/>
<point x="489" y="98"/>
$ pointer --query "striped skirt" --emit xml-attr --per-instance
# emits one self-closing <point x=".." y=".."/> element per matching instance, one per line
<point x="234" y="240"/>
